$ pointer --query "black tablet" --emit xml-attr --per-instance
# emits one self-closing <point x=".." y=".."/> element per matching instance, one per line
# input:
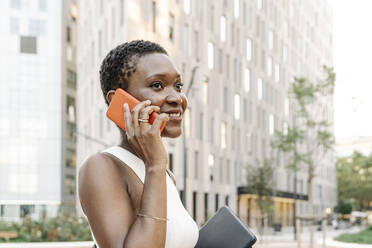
<point x="225" y="230"/>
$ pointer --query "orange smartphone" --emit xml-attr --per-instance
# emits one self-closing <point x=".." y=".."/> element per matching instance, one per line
<point x="115" y="111"/>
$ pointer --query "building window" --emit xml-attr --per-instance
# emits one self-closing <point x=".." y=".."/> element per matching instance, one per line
<point x="185" y="38"/>
<point x="227" y="65"/>
<point x="201" y="116"/>
<point x="221" y="170"/>
<point x="196" y="164"/>
<point x="285" y="54"/>
<point x="285" y="128"/>
<point x="71" y="132"/>
<point x="223" y="28"/>
<point x="236" y="70"/>
<point x="220" y="61"/>
<point x="71" y="79"/>
<point x="245" y="13"/>
<point x="100" y="48"/>
<point x="14" y="25"/>
<point x="286" y="106"/>
<point x="70" y="184"/>
<point x="211" y="21"/>
<point x="100" y="121"/>
<point x="249" y="49"/>
<point x="182" y="196"/>
<point x="70" y="158"/>
<point x="228" y="171"/>
<point x="171" y="27"/>
<point x="246" y="109"/>
<point x="271" y="40"/>
<point x="247" y="79"/>
<point x="73" y="11"/>
<point x="232" y="32"/>
<point x="194" y="204"/>
<point x="271" y="124"/>
<point x="211" y="166"/>
<point x="236" y="9"/>
<point x="153" y="16"/>
<point x="223" y="135"/>
<point x="269" y="66"/>
<point x="170" y="161"/>
<point x="28" y="44"/>
<point x="121" y="12"/>
<point x="187" y="6"/>
<point x="210" y="55"/>
<point x="70" y="109"/>
<point x="259" y="88"/>
<point x="216" y="202"/>
<point x="196" y="44"/>
<point x="206" y="206"/>
<point x="225" y="100"/>
<point x="212" y="131"/>
<point x="237" y="173"/>
<point x="205" y="90"/>
<point x="42" y="5"/>
<point x="259" y="4"/>
<point x="113" y="23"/>
<point x="15" y="4"/>
<point x="237" y="107"/>
<point x="188" y="122"/>
<point x="27" y="210"/>
<point x="277" y="73"/>
<point x="227" y="200"/>
<point x="68" y="34"/>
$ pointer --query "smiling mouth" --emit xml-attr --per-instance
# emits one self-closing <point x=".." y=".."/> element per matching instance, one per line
<point x="175" y="116"/>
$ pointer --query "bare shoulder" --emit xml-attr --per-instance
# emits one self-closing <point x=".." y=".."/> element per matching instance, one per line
<point x="98" y="165"/>
<point x="105" y="200"/>
<point x="172" y="176"/>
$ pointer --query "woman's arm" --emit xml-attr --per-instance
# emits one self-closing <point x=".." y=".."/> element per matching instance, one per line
<point x="106" y="203"/>
<point x="103" y="193"/>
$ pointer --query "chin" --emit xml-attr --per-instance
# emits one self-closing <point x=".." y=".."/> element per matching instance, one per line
<point x="171" y="132"/>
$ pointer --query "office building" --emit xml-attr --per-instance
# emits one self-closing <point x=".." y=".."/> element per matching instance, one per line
<point x="37" y="107"/>
<point x="244" y="55"/>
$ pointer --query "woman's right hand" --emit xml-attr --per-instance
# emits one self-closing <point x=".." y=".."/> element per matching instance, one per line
<point x="145" y="138"/>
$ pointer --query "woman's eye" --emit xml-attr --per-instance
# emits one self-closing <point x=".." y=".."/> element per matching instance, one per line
<point x="156" y="85"/>
<point x="179" y="86"/>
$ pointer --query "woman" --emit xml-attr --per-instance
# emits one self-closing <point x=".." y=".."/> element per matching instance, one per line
<point x="125" y="191"/>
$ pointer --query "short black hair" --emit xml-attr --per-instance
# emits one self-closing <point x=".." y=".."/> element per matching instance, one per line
<point x="120" y="63"/>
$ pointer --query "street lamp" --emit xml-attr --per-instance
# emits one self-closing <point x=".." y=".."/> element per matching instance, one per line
<point x="184" y="138"/>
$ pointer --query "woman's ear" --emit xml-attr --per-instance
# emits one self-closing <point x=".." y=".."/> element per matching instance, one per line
<point x="109" y="95"/>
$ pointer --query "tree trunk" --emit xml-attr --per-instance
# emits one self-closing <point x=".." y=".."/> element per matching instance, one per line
<point x="311" y="203"/>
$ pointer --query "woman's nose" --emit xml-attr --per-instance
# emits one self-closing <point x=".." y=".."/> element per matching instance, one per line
<point x="174" y="97"/>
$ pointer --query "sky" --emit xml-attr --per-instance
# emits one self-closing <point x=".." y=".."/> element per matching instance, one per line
<point x="352" y="42"/>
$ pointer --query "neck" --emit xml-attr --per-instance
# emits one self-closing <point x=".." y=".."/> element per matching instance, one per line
<point x="125" y="143"/>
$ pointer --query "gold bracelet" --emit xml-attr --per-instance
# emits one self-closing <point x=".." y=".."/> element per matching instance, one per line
<point x="152" y="217"/>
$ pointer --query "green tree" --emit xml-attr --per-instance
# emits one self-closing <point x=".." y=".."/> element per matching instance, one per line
<point x="260" y="183"/>
<point x="343" y="207"/>
<point x="354" y="174"/>
<point x="310" y="138"/>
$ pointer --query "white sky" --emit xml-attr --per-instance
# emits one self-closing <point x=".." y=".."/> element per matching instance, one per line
<point x="352" y="42"/>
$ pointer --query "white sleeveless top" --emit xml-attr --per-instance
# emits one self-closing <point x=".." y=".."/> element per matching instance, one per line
<point x="182" y="231"/>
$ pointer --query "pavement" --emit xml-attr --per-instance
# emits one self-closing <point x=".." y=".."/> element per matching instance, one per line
<point x="285" y="239"/>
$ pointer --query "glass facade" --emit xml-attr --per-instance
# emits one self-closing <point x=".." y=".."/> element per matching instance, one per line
<point x="30" y="109"/>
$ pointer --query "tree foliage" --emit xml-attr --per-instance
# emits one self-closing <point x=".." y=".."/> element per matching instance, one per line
<point x="310" y="137"/>
<point x="260" y="183"/>
<point x="354" y="175"/>
<point x="343" y="207"/>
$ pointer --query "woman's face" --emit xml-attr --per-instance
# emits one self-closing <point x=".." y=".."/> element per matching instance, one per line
<point x="157" y="79"/>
